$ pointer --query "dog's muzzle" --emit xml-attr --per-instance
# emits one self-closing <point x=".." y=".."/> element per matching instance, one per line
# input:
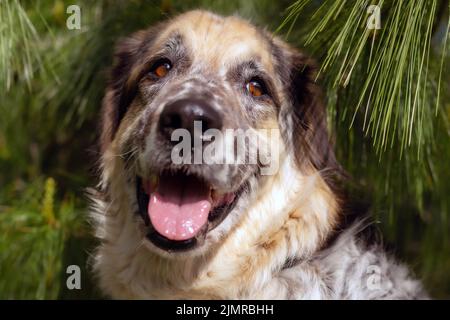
<point x="180" y="204"/>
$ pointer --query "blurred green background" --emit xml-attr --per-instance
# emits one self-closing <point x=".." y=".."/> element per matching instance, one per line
<point x="388" y="107"/>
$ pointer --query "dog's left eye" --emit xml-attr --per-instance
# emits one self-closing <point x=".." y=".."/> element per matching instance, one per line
<point x="161" y="68"/>
<point x="256" y="88"/>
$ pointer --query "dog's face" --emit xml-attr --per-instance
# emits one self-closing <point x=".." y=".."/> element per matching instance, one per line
<point x="200" y="75"/>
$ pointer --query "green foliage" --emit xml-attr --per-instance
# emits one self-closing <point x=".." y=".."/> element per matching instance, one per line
<point x="388" y="103"/>
<point x="34" y="228"/>
<point x="394" y="84"/>
<point x="17" y="31"/>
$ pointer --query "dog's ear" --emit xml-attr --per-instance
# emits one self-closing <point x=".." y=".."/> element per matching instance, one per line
<point x="308" y="115"/>
<point x="117" y="96"/>
<point x="122" y="86"/>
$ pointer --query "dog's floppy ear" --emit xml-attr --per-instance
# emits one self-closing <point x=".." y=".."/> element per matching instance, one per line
<point x="118" y="95"/>
<point x="122" y="86"/>
<point x="308" y="115"/>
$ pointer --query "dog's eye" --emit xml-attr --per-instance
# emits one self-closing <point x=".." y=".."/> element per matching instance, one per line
<point x="161" y="68"/>
<point x="256" y="88"/>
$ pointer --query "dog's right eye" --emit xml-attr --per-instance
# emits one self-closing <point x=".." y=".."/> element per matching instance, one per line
<point x="256" y="87"/>
<point x="160" y="68"/>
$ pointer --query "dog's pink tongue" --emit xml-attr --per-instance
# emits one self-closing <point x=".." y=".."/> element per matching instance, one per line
<point x="179" y="208"/>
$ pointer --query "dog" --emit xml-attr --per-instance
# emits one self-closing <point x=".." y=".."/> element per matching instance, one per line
<point x="220" y="230"/>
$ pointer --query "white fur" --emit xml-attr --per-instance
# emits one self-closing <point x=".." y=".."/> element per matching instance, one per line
<point x="245" y="264"/>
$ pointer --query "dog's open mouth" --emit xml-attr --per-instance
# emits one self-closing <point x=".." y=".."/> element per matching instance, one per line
<point x="180" y="209"/>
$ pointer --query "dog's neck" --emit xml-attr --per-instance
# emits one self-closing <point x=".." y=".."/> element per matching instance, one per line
<point x="290" y="217"/>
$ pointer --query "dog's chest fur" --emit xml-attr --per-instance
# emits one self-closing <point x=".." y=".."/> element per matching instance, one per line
<point x="278" y="257"/>
<point x="346" y="270"/>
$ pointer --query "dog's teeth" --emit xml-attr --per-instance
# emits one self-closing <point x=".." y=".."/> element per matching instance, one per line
<point x="215" y="196"/>
<point x="154" y="181"/>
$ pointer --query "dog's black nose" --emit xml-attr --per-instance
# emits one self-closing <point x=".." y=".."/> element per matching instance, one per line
<point x="184" y="114"/>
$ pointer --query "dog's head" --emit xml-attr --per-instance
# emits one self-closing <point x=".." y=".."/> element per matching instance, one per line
<point x="181" y="96"/>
